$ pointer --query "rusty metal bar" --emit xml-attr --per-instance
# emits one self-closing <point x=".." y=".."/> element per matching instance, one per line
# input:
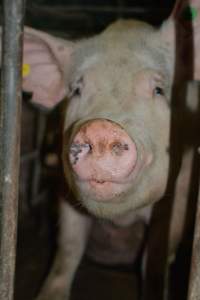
<point x="10" y="111"/>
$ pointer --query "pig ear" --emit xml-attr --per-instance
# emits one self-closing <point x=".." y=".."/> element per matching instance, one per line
<point x="46" y="60"/>
<point x="182" y="30"/>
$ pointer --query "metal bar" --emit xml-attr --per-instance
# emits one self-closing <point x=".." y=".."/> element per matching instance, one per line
<point x="101" y="9"/>
<point x="194" y="285"/>
<point x="194" y="280"/>
<point x="10" y="111"/>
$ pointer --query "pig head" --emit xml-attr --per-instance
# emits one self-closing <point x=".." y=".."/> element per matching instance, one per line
<point x="117" y="87"/>
<point x="117" y="121"/>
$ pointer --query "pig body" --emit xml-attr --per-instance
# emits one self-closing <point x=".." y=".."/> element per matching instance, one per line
<point x="118" y="88"/>
<point x="122" y="76"/>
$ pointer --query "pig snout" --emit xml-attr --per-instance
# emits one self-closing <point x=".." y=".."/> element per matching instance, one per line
<point x="102" y="152"/>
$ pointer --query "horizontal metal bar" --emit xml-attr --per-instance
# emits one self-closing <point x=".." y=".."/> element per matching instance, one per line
<point x="10" y="121"/>
<point x="100" y="9"/>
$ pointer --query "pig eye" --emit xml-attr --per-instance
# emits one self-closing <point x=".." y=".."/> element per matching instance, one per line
<point x="158" y="91"/>
<point x="76" y="92"/>
<point x="75" y="89"/>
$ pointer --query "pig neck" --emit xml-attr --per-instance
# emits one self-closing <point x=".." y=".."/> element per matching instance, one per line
<point x="127" y="219"/>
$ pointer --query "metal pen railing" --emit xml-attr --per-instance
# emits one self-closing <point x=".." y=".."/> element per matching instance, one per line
<point x="10" y="116"/>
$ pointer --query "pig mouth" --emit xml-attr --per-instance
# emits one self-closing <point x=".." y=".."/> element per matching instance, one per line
<point x="101" y="190"/>
<point x="98" y="185"/>
<point x="107" y="191"/>
<point x="101" y="183"/>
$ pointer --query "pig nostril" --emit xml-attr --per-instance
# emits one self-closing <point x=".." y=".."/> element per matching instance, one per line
<point x="90" y="148"/>
<point x="78" y="150"/>
<point x="118" y="148"/>
<point x="126" y="147"/>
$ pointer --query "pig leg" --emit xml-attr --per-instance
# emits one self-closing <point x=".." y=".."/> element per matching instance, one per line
<point x="74" y="231"/>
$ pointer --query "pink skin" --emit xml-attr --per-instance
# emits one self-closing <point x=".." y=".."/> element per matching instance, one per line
<point x="103" y="157"/>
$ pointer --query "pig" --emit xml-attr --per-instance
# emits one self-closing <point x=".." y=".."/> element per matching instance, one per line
<point x="117" y="87"/>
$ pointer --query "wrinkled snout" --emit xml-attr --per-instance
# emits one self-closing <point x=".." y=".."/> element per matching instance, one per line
<point x="102" y="151"/>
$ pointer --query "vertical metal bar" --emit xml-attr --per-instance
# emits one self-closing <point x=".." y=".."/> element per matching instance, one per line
<point x="10" y="110"/>
<point x="194" y="284"/>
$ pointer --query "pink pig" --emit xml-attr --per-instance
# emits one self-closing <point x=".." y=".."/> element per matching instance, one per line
<point x="118" y="88"/>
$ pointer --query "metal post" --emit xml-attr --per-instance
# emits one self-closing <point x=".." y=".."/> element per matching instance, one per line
<point x="194" y="284"/>
<point x="10" y="110"/>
